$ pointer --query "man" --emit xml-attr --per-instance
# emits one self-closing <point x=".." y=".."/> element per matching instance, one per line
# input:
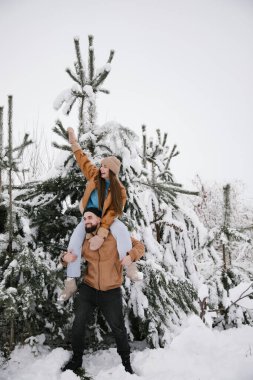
<point x="101" y="287"/>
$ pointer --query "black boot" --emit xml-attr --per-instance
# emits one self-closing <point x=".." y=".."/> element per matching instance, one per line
<point x="73" y="364"/>
<point x="126" y="363"/>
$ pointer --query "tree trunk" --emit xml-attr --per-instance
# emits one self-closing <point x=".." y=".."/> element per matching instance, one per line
<point x="226" y="225"/>
<point x="12" y="335"/>
<point x="10" y="159"/>
<point x="144" y="147"/>
<point x="1" y="153"/>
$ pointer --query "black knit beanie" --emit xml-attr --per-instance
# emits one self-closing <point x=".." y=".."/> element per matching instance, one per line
<point x="94" y="210"/>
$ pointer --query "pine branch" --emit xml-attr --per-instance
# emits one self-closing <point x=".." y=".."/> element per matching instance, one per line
<point x="91" y="58"/>
<point x="196" y="193"/>
<point x="172" y="183"/>
<point x="168" y="188"/>
<point x="78" y="94"/>
<point x="77" y="70"/>
<point x="156" y="152"/>
<point x="111" y="56"/>
<point x="15" y="168"/>
<point x="158" y="219"/>
<point x="158" y="131"/>
<point x="104" y="147"/>
<point x="164" y="174"/>
<point x="20" y="147"/>
<point x="152" y="160"/>
<point x="70" y="106"/>
<point x="62" y="147"/>
<point x="4" y="162"/>
<point x="176" y="228"/>
<point x="164" y="139"/>
<point x="242" y="295"/>
<point x="18" y="174"/>
<point x="67" y="160"/>
<point x="29" y="185"/>
<point x="60" y="130"/>
<point x="245" y="228"/>
<point x="187" y="192"/>
<point x="100" y="78"/>
<point x="25" y="143"/>
<point x="172" y="154"/>
<point x="139" y="213"/>
<point x="81" y="118"/>
<point x="79" y="61"/>
<point x="164" y="194"/>
<point x="154" y="163"/>
<point x="72" y="76"/>
<point x="104" y="91"/>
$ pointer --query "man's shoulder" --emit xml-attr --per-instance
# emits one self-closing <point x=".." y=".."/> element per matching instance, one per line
<point x="110" y="237"/>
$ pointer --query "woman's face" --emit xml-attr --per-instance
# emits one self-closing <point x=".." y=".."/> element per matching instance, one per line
<point x="104" y="171"/>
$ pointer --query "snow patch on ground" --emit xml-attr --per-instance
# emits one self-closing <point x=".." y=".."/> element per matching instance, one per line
<point x="197" y="353"/>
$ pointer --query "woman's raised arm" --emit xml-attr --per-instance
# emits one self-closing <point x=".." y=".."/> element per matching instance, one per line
<point x="87" y="167"/>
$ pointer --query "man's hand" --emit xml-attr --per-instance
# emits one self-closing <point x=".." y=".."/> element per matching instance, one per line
<point x="126" y="261"/>
<point x="96" y="242"/>
<point x="72" y="136"/>
<point x="69" y="257"/>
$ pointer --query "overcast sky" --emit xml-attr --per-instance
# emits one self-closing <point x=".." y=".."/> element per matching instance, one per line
<point x="184" y="66"/>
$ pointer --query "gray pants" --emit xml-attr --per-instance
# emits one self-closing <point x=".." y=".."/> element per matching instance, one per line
<point x="119" y="232"/>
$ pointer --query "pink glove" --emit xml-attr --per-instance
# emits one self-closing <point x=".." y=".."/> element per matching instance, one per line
<point x="96" y="242"/>
<point x="72" y="136"/>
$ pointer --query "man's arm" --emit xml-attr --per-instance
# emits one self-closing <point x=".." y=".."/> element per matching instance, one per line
<point x="67" y="257"/>
<point x="137" y="251"/>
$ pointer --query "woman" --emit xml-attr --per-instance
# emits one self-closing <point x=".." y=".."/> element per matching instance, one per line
<point x="106" y="193"/>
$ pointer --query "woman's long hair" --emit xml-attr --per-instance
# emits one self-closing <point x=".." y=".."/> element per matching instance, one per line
<point x="117" y="201"/>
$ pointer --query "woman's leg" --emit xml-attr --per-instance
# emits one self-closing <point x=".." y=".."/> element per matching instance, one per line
<point x="75" y="246"/>
<point x="122" y="237"/>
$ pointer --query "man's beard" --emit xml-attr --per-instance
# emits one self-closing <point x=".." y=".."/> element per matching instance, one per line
<point x="90" y="229"/>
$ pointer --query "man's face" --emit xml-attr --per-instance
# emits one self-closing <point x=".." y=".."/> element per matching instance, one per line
<point x="91" y="221"/>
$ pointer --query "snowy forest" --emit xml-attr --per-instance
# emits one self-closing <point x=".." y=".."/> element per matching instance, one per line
<point x="198" y="241"/>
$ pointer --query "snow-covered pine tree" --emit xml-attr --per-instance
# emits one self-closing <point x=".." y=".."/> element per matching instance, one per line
<point x="157" y="306"/>
<point x="64" y="187"/>
<point x="7" y="166"/>
<point x="225" y="258"/>
<point x="52" y="203"/>
<point x="26" y="279"/>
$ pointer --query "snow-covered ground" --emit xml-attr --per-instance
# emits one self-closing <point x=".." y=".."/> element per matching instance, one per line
<point x="197" y="353"/>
